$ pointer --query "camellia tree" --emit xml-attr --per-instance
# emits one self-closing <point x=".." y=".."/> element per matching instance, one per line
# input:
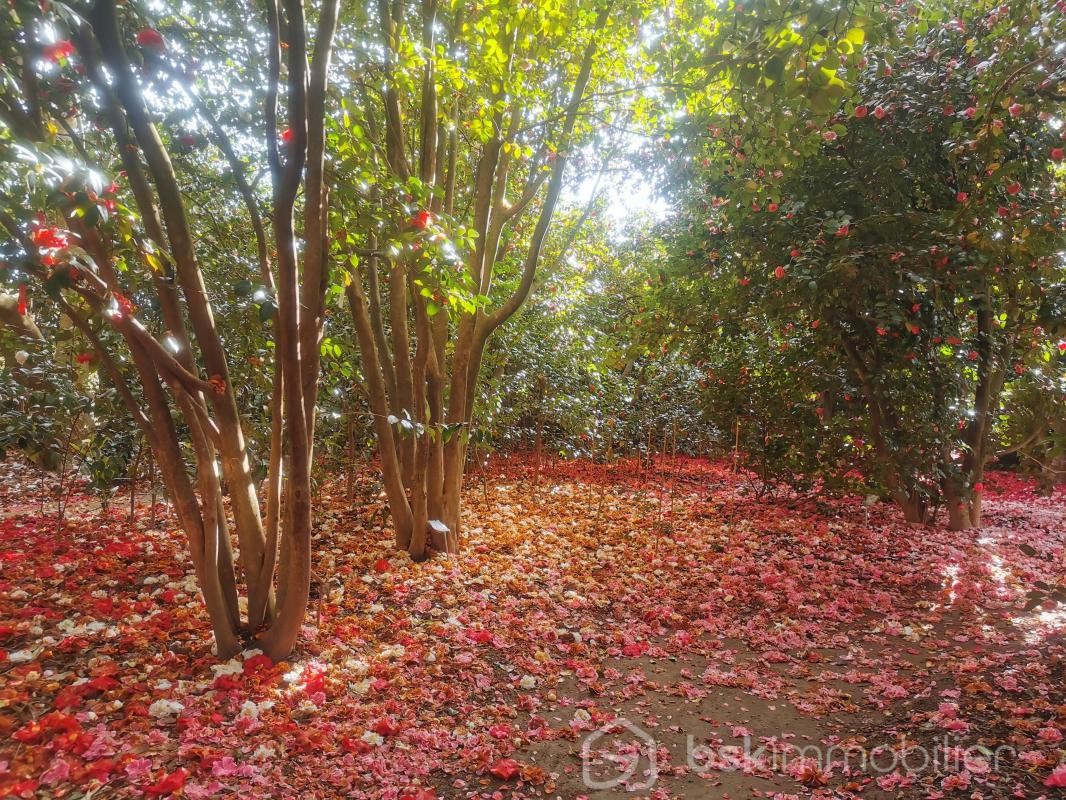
<point x="106" y="130"/>
<point x="453" y="154"/>
<point x="912" y="236"/>
<point x="1031" y="430"/>
<point x="570" y="378"/>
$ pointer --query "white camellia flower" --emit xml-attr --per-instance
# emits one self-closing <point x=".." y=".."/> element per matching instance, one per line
<point x="251" y="710"/>
<point x="357" y="666"/>
<point x="527" y="682"/>
<point x="359" y="688"/>
<point x="231" y="667"/>
<point x="21" y="656"/>
<point x="164" y="709"/>
<point x="21" y="357"/>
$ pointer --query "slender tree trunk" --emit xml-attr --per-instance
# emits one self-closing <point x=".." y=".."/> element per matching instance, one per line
<point x="391" y="471"/>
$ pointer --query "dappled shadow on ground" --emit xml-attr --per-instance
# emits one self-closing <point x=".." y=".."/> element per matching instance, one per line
<point x="607" y="632"/>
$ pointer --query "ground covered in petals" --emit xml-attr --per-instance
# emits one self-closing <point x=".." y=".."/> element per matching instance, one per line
<point x="607" y="632"/>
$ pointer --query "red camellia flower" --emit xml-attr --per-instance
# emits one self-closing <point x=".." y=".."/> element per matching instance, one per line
<point x="150" y="39"/>
<point x="48" y="238"/>
<point x="420" y="220"/>
<point x="1013" y="188"/>
<point x="258" y="663"/>
<point x="779" y="272"/>
<point x="962" y="197"/>
<point x="124" y="304"/>
<point x="1003" y="211"/>
<point x="168" y="784"/>
<point x="1056" y="154"/>
<point x="772" y="207"/>
<point x="505" y="769"/>
<point x="745" y="281"/>
<point x="22" y="300"/>
<point x="880" y="112"/>
<point x="1015" y="109"/>
<point x="386" y="726"/>
<point x="60" y="51"/>
<point x="84" y="358"/>
<point x="286" y="135"/>
<point x="861" y="111"/>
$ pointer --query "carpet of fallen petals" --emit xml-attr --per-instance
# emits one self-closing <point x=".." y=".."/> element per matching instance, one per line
<point x="673" y="600"/>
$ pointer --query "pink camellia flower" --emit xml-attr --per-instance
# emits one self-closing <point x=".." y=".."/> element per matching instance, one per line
<point x="956" y="782"/>
<point x="1057" y="778"/>
<point x="1049" y="734"/>
<point x="138" y="769"/>
<point x="58" y="772"/>
<point x="1031" y="757"/>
